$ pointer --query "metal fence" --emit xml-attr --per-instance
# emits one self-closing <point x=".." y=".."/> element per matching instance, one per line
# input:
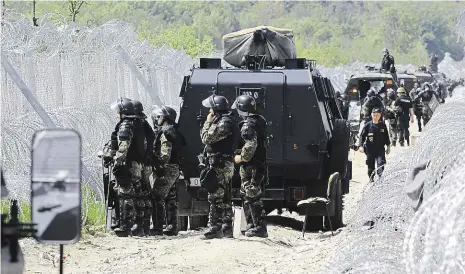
<point x="75" y="73"/>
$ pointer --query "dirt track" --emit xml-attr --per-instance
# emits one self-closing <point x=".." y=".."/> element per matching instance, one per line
<point x="283" y="252"/>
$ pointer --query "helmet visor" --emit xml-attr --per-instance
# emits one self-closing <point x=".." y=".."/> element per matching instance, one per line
<point x="115" y="106"/>
<point x="207" y="102"/>
<point x="243" y="113"/>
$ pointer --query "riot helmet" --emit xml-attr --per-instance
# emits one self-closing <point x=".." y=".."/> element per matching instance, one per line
<point x="159" y="115"/>
<point x="371" y="92"/>
<point x="385" y="51"/>
<point x="245" y="105"/>
<point x="401" y="90"/>
<point x="391" y="94"/>
<point x="216" y="102"/>
<point x="123" y="106"/>
<point x="344" y="97"/>
<point x="139" y="109"/>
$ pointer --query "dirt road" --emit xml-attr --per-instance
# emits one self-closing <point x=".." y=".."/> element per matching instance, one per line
<point x="285" y="251"/>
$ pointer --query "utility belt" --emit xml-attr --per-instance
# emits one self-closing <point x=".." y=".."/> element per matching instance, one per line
<point x="218" y="160"/>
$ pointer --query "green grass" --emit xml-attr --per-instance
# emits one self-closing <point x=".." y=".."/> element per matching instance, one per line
<point x="92" y="213"/>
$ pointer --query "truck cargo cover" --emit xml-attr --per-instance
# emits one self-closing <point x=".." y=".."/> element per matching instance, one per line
<point x="276" y="44"/>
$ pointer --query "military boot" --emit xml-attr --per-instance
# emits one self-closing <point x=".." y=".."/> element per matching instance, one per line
<point x="248" y="218"/>
<point x="215" y="229"/>
<point x="171" y="210"/>
<point x="393" y="143"/>
<point x="115" y="216"/>
<point x="138" y="228"/>
<point x="227" y="230"/>
<point x="125" y="216"/>
<point x="146" y="227"/>
<point x="158" y="218"/>
<point x="258" y="216"/>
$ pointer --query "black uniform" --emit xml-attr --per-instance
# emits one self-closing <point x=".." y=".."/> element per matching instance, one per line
<point x="417" y="109"/>
<point x="387" y="64"/>
<point x="426" y="96"/>
<point x="373" y="139"/>
<point x="403" y="104"/>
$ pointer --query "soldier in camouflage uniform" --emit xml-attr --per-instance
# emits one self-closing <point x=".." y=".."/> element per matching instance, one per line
<point x="168" y="142"/>
<point x="219" y="134"/>
<point x="147" y="210"/>
<point x="128" y="167"/>
<point x="252" y="161"/>
<point x="390" y="114"/>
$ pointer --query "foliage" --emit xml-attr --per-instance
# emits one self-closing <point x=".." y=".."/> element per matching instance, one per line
<point x="330" y="32"/>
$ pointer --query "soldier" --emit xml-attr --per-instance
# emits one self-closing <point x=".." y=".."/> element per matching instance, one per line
<point x="146" y="207"/>
<point x="426" y="95"/>
<point x="434" y="63"/>
<point x="167" y="146"/>
<point x="252" y="161"/>
<point x="387" y="64"/>
<point x="404" y="109"/>
<point x="373" y="100"/>
<point x="373" y="138"/>
<point x="219" y="134"/>
<point x="344" y="106"/>
<point x="417" y="106"/>
<point x="128" y="167"/>
<point x="391" y="116"/>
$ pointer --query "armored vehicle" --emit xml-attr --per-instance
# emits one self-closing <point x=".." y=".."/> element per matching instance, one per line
<point x="357" y="87"/>
<point x="307" y="138"/>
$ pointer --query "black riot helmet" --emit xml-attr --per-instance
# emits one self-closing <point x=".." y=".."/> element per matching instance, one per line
<point x="217" y="103"/>
<point x="371" y="93"/>
<point x="167" y="112"/>
<point x="138" y="109"/>
<point x="245" y="105"/>
<point x="124" y="106"/>
<point x="344" y="97"/>
<point x="385" y="51"/>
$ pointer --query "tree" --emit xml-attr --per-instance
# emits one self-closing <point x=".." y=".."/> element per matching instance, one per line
<point x="74" y="7"/>
<point x="34" y="18"/>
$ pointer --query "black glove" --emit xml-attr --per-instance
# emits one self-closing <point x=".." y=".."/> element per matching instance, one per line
<point x="159" y="171"/>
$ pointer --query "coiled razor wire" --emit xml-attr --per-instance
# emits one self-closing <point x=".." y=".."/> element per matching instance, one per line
<point x="386" y="235"/>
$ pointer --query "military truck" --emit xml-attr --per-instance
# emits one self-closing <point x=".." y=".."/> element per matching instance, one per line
<point x="357" y="87"/>
<point x="307" y="138"/>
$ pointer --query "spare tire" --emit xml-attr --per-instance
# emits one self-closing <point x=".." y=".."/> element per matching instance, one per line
<point x="339" y="151"/>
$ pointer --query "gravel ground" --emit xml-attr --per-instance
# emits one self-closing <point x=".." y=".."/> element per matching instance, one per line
<point x="285" y="251"/>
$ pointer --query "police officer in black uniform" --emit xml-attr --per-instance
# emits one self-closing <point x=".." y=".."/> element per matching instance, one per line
<point x="127" y="170"/>
<point x="373" y="139"/>
<point x="404" y="108"/>
<point x="147" y="207"/>
<point x="252" y="162"/>
<point x="417" y="106"/>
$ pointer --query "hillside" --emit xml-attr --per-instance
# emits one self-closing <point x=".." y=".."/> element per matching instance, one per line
<point x="331" y="32"/>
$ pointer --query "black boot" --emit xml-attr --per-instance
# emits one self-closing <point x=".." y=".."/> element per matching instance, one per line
<point x="158" y="218"/>
<point x="115" y="215"/>
<point x="258" y="216"/>
<point x="125" y="218"/>
<point x="171" y="218"/>
<point x="138" y="227"/>
<point x="146" y="227"/>
<point x="248" y="218"/>
<point x="215" y="224"/>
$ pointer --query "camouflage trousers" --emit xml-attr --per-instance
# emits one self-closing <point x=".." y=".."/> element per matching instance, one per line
<point x="220" y="201"/>
<point x="393" y="131"/>
<point x="161" y="189"/>
<point x="251" y="192"/>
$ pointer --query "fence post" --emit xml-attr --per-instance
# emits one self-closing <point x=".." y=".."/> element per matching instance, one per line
<point x="125" y="56"/>
<point x="43" y="114"/>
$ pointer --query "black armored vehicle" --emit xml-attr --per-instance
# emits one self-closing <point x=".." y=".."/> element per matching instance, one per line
<point x="307" y="138"/>
<point x="357" y="88"/>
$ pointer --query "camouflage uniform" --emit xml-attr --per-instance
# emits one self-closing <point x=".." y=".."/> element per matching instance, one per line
<point x="391" y="115"/>
<point x="252" y="172"/>
<point x="166" y="174"/>
<point x="171" y="208"/>
<point x="127" y="174"/>
<point x="221" y="130"/>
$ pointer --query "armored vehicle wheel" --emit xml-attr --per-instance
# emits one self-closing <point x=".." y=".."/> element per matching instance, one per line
<point x="340" y="148"/>
<point x="337" y="219"/>
<point x="198" y="221"/>
<point x="314" y="223"/>
<point x="182" y="223"/>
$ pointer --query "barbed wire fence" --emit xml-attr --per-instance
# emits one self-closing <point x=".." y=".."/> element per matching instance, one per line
<point x="386" y="235"/>
<point x="76" y="73"/>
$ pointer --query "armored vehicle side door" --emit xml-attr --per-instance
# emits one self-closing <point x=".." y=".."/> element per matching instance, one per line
<point x="268" y="91"/>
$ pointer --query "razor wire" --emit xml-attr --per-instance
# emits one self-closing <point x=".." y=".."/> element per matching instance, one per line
<point x="76" y="73"/>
